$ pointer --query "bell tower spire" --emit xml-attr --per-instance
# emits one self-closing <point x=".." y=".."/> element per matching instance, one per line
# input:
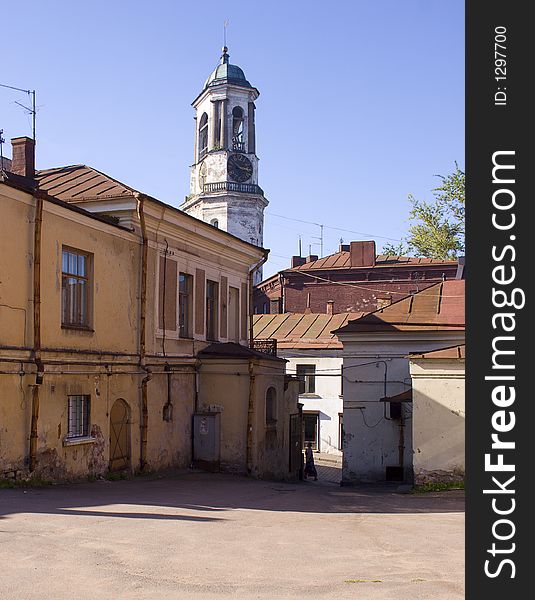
<point x="224" y="188"/>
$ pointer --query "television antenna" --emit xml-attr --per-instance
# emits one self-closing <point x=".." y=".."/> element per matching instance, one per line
<point x="31" y="109"/>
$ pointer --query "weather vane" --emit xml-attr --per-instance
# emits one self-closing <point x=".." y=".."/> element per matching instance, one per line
<point x="225" y="25"/>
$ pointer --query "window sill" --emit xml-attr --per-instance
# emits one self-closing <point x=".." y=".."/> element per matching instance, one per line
<point x="313" y="396"/>
<point x="75" y="441"/>
<point x="79" y="328"/>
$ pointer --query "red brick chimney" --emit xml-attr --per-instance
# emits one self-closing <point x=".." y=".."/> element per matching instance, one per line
<point x="312" y="258"/>
<point x="330" y="307"/>
<point x="23" y="161"/>
<point x="362" y="254"/>
<point x="297" y="261"/>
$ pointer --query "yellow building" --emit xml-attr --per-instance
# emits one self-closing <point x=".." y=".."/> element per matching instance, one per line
<point x="107" y="298"/>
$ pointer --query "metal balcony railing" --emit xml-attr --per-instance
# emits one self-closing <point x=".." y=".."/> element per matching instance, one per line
<point x="231" y="186"/>
<point x="267" y="346"/>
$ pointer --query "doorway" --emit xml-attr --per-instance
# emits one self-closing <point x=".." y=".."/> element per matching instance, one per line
<point x="311" y="429"/>
<point x="119" y="436"/>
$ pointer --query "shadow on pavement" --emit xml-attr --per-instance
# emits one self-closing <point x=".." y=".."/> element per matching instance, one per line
<point x="217" y="493"/>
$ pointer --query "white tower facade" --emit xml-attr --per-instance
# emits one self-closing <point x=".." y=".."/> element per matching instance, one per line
<point x="224" y="188"/>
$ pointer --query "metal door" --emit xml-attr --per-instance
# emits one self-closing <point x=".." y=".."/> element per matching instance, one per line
<point x="119" y="436"/>
<point x="206" y="438"/>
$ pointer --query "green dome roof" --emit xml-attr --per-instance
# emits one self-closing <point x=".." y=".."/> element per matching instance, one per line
<point x="226" y="73"/>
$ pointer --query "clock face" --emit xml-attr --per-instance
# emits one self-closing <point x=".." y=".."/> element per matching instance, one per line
<point x="239" y="167"/>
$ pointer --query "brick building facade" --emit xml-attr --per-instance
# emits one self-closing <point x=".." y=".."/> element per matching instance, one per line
<point x="354" y="279"/>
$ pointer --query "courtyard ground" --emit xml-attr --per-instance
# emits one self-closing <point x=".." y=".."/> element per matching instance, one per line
<point x="195" y="535"/>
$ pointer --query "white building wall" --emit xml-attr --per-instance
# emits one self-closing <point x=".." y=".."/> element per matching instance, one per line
<point x="438" y="419"/>
<point x="327" y="401"/>
<point x="372" y="440"/>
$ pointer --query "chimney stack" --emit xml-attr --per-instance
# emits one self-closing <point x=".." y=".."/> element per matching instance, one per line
<point x="311" y="258"/>
<point x="362" y="254"/>
<point x="344" y="248"/>
<point x="23" y="161"/>
<point x="330" y="307"/>
<point x="297" y="261"/>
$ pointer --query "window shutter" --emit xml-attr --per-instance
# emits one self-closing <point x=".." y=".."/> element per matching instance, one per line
<point x="200" y="300"/>
<point x="170" y="294"/>
<point x="244" y="312"/>
<point x="223" y="298"/>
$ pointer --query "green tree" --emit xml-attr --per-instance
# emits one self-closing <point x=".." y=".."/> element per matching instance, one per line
<point x="437" y="227"/>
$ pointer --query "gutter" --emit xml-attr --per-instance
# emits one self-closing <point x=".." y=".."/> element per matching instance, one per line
<point x="251" y="306"/>
<point x="36" y="330"/>
<point x="142" y="334"/>
<point x="250" y="417"/>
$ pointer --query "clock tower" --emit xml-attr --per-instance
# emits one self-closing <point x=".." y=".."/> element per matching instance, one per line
<point x="224" y="188"/>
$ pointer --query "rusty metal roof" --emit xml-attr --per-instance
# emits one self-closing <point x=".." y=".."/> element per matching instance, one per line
<point x="298" y="330"/>
<point x="405" y="396"/>
<point x="78" y="182"/>
<point x="450" y="352"/>
<point x="341" y="260"/>
<point x="438" y="307"/>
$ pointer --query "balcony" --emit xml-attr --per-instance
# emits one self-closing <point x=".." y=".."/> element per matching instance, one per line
<point x="231" y="186"/>
<point x="238" y="145"/>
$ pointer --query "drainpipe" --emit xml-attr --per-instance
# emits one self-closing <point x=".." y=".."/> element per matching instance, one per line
<point x="36" y="329"/>
<point x="251" y="306"/>
<point x="401" y="440"/>
<point x="142" y="334"/>
<point x="250" y="418"/>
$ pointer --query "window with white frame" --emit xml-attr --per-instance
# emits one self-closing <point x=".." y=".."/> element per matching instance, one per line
<point x="78" y="416"/>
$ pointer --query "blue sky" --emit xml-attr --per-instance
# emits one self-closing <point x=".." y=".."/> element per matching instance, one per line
<point x="361" y="102"/>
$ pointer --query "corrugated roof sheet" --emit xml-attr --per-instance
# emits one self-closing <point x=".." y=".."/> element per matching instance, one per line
<point x="295" y="330"/>
<point x="341" y="260"/>
<point x="451" y="352"/>
<point x="78" y="182"/>
<point x="439" y="307"/>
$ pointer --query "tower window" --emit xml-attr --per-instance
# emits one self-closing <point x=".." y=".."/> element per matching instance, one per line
<point x="237" y="129"/>
<point x="203" y="135"/>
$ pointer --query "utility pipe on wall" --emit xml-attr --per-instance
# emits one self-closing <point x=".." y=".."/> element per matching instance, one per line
<point x="142" y="333"/>
<point x="251" y="305"/>
<point x="36" y="329"/>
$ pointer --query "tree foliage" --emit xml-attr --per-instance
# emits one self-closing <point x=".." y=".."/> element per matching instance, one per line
<point x="437" y="227"/>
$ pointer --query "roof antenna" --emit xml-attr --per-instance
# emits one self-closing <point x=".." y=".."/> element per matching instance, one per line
<point x="2" y="140"/>
<point x="31" y="109"/>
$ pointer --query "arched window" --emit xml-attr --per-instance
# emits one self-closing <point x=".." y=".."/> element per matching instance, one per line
<point x="203" y="135"/>
<point x="215" y="223"/>
<point x="237" y="129"/>
<point x="271" y="406"/>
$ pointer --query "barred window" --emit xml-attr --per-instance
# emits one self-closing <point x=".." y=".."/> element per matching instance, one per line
<point x="75" y="284"/>
<point x="79" y="413"/>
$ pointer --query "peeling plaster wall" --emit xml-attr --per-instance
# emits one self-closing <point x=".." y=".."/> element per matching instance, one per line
<point x="372" y="441"/>
<point x="438" y="419"/>
<point x="224" y="388"/>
